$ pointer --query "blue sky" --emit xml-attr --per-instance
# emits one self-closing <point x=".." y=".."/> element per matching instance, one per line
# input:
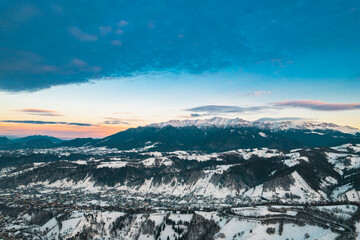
<point x="84" y="62"/>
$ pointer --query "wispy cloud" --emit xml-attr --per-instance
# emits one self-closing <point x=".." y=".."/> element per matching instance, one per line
<point x="105" y="30"/>
<point x="123" y="23"/>
<point x="82" y="36"/>
<point x="184" y="116"/>
<point x="218" y="109"/>
<point x="78" y="62"/>
<point x="40" y="112"/>
<point x="116" y="43"/>
<point x="115" y="121"/>
<point x="208" y="110"/>
<point x="256" y="93"/>
<point x="47" y="122"/>
<point x="317" y="105"/>
<point x="199" y="115"/>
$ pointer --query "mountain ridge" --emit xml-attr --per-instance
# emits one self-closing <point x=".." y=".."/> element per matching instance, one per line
<point x="221" y="134"/>
<point x="212" y="135"/>
<point x="265" y="124"/>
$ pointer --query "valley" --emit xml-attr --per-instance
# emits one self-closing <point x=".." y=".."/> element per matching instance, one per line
<point x="103" y="192"/>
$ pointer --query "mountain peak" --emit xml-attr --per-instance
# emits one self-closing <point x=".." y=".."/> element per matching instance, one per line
<point x="203" y="123"/>
<point x="37" y="137"/>
<point x="301" y="124"/>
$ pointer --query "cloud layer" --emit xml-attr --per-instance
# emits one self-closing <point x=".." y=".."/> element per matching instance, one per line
<point x="46" y="43"/>
<point x="318" y="105"/>
<point x="115" y="121"/>
<point x="40" y="112"/>
<point x="306" y="104"/>
<point x="218" y="109"/>
<point x="47" y="122"/>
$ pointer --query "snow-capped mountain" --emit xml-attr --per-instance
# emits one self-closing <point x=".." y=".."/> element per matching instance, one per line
<point x="269" y="124"/>
<point x="203" y="123"/>
<point x="222" y="134"/>
<point x="214" y="134"/>
<point x="280" y="125"/>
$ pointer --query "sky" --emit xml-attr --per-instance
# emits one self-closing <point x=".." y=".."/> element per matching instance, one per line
<point x="93" y="68"/>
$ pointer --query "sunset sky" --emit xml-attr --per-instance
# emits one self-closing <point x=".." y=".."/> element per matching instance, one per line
<point x="93" y="68"/>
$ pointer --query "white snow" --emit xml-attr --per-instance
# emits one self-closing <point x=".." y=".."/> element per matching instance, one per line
<point x="262" y="134"/>
<point x="113" y="164"/>
<point x="343" y="161"/>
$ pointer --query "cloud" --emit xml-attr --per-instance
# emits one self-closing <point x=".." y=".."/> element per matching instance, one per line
<point x="197" y="115"/>
<point x="40" y="112"/>
<point x="47" y="122"/>
<point x="220" y="109"/>
<point x="119" y="31"/>
<point x="259" y="93"/>
<point x="116" y="43"/>
<point x="318" y="105"/>
<point x="256" y="93"/>
<point x="123" y="23"/>
<point x="151" y="24"/>
<point x="191" y="40"/>
<point x="209" y="110"/>
<point x="25" y="13"/>
<point x="105" y="30"/>
<point x="183" y="116"/>
<point x="17" y="14"/>
<point x="78" y="63"/>
<point x="80" y="35"/>
<point x="115" y="121"/>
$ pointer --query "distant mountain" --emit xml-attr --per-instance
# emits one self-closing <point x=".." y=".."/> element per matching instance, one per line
<point x="210" y="135"/>
<point x="36" y="143"/>
<point x="4" y="141"/>
<point x="222" y="134"/>
<point x="77" y="142"/>
<point x="37" y="137"/>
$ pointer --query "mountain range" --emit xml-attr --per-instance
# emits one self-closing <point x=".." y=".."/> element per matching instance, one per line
<point x="210" y="135"/>
<point x="194" y="179"/>
<point x="34" y="141"/>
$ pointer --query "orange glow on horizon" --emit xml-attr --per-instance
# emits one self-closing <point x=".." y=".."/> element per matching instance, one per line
<point x="96" y="131"/>
<point x="59" y="130"/>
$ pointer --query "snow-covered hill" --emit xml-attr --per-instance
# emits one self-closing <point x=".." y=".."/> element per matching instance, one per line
<point x="252" y="175"/>
<point x="259" y="193"/>
<point x="242" y="223"/>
